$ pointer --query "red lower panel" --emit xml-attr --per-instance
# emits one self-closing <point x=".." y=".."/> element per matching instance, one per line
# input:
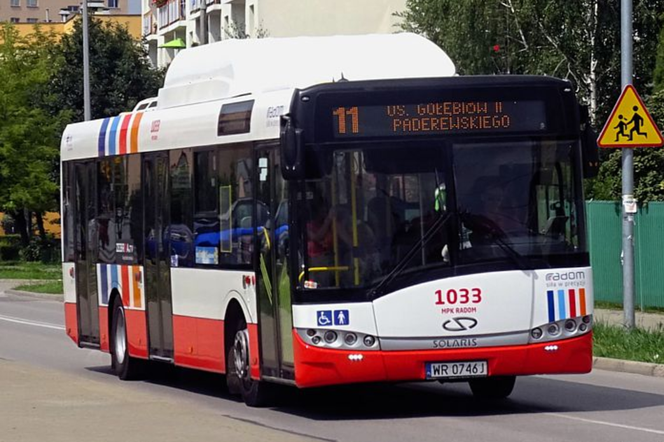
<point x="316" y="366"/>
<point x="253" y="351"/>
<point x="199" y="343"/>
<point x="137" y="334"/>
<point x="104" y="330"/>
<point x="71" y="321"/>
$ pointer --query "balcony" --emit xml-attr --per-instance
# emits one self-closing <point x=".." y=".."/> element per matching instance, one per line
<point x="171" y="12"/>
<point x="149" y="24"/>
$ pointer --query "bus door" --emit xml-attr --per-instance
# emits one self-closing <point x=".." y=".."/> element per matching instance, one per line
<point x="157" y="269"/>
<point x="272" y="273"/>
<point x="85" y="270"/>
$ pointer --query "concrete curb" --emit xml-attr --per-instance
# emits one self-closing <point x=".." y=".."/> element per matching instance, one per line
<point x="643" y="368"/>
<point x="48" y="296"/>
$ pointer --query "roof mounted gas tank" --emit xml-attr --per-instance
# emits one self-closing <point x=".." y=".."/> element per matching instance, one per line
<point x="241" y="67"/>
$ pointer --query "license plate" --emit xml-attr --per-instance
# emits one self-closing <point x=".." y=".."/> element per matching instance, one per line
<point x="450" y="370"/>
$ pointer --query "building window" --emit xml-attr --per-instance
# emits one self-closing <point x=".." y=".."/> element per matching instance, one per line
<point x="31" y="3"/>
<point x="33" y="20"/>
<point x="14" y="20"/>
<point x="15" y="4"/>
<point x="113" y="3"/>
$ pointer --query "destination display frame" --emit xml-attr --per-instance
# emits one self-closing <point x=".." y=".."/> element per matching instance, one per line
<point x="460" y="109"/>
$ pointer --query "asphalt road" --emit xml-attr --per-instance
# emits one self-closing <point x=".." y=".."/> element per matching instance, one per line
<point x="51" y="390"/>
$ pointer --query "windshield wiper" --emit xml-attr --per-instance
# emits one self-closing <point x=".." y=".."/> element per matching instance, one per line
<point x="401" y="265"/>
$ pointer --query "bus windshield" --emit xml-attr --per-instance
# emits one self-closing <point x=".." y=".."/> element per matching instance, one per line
<point x="375" y="206"/>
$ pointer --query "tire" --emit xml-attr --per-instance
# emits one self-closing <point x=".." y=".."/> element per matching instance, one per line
<point x="238" y="372"/>
<point x="125" y="366"/>
<point x="492" y="388"/>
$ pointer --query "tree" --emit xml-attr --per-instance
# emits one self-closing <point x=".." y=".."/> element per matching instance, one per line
<point x="29" y="135"/>
<point x="120" y="72"/>
<point x="577" y="40"/>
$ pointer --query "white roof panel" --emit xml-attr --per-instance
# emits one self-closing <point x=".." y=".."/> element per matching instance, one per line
<point x="236" y="67"/>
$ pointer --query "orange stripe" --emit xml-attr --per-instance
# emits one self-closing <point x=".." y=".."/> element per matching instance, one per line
<point x="135" y="274"/>
<point x="582" y="300"/>
<point x="125" y="285"/>
<point x="133" y="146"/>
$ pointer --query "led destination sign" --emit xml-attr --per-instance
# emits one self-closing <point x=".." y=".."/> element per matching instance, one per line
<point x="444" y="117"/>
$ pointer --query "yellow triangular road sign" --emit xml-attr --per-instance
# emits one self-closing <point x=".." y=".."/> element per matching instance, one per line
<point x="630" y="124"/>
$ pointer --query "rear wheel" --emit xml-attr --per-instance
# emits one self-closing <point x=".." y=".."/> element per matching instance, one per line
<point x="125" y="366"/>
<point x="493" y="387"/>
<point x="238" y="375"/>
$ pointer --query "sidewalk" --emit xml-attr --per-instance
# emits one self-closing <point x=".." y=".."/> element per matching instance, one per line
<point x="648" y="321"/>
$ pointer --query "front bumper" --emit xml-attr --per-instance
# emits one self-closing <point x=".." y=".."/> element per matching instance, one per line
<point x="316" y="366"/>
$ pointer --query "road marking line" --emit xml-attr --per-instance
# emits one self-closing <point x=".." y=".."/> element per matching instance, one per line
<point x="33" y="323"/>
<point x="610" y="424"/>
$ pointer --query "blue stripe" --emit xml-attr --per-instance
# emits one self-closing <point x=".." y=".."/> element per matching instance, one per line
<point x="114" y="276"/>
<point x="101" y="145"/>
<point x="104" y="284"/>
<point x="552" y="310"/>
<point x="561" y="304"/>
<point x="111" y="138"/>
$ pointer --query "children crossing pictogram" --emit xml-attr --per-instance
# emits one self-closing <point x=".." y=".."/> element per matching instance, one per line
<point x="630" y="124"/>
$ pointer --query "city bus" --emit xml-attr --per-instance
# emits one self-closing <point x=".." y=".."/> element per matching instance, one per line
<point x="333" y="210"/>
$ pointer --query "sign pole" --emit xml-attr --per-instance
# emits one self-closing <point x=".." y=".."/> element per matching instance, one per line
<point x="627" y="173"/>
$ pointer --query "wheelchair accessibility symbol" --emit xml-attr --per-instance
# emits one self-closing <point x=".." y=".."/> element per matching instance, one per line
<point x="324" y="317"/>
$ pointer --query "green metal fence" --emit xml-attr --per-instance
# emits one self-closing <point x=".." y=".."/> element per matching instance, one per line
<point x="605" y="242"/>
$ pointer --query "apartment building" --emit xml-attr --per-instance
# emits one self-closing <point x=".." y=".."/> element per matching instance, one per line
<point x="51" y="11"/>
<point x="171" y="25"/>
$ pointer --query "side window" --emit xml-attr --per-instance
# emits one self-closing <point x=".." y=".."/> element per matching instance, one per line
<point x="206" y="209"/>
<point x="181" y="235"/>
<point x="236" y="203"/>
<point x="106" y="228"/>
<point x="68" y="204"/>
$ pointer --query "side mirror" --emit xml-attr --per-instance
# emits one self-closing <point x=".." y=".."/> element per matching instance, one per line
<point x="292" y="165"/>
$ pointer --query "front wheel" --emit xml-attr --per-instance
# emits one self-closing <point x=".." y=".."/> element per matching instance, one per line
<point x="125" y="366"/>
<point x="494" y="387"/>
<point x="238" y="376"/>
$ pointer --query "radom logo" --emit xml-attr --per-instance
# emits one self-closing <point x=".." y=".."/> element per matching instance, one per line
<point x="459" y="324"/>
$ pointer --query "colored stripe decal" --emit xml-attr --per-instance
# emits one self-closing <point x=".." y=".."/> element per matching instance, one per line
<point x="113" y="135"/>
<point x="123" y="133"/>
<point x="552" y="311"/>
<point x="136" y="274"/>
<point x="572" y="303"/>
<point x="133" y="145"/>
<point x="104" y="284"/>
<point x="125" y="283"/>
<point x="101" y="145"/>
<point x="114" y="278"/>
<point x="582" y="301"/>
<point x="561" y="305"/>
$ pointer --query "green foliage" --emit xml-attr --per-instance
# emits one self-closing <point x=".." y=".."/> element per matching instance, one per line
<point x="51" y="288"/>
<point x="634" y="345"/>
<point x="29" y="135"/>
<point x="120" y="72"/>
<point x="578" y="40"/>
<point x="30" y="270"/>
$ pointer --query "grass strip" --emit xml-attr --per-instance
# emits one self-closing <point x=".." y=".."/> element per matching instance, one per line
<point x="30" y="270"/>
<point x="50" y="287"/>
<point x="633" y="345"/>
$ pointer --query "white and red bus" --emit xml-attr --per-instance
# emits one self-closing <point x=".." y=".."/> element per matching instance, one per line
<point x="334" y="210"/>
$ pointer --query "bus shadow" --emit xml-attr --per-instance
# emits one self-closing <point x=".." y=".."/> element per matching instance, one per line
<point x="531" y="395"/>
